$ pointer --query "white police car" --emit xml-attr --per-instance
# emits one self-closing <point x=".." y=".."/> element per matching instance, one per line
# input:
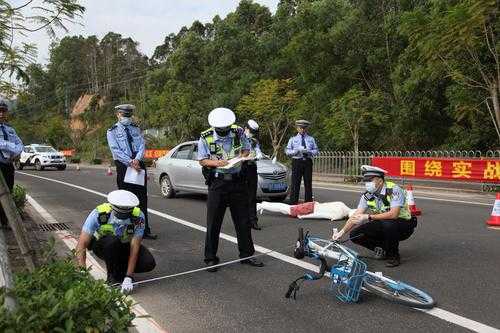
<point x="41" y="156"/>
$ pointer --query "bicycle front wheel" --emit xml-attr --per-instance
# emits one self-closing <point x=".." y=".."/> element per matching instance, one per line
<point x="397" y="291"/>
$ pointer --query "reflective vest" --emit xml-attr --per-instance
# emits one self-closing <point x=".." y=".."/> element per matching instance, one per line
<point x="217" y="151"/>
<point x="404" y="212"/>
<point x="105" y="228"/>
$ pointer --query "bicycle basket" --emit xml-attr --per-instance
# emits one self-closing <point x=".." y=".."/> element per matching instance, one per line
<point x="347" y="278"/>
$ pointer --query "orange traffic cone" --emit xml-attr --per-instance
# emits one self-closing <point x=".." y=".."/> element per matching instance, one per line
<point x="109" y="172"/>
<point x="494" y="220"/>
<point x="411" y="202"/>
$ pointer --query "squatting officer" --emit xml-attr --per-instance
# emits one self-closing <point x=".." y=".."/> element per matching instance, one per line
<point x="252" y="134"/>
<point x="226" y="186"/>
<point x="127" y="145"/>
<point x="301" y="148"/>
<point x="113" y="231"/>
<point x="389" y="220"/>
<point x="10" y="149"/>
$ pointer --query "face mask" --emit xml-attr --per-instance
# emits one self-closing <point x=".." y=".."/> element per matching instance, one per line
<point x="222" y="132"/>
<point x="121" y="217"/>
<point x="126" y="121"/>
<point x="371" y="187"/>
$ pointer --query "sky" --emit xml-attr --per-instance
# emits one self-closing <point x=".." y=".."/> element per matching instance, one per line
<point x="146" y="21"/>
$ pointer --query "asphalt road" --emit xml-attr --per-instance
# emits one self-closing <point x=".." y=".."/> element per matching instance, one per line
<point x="452" y="256"/>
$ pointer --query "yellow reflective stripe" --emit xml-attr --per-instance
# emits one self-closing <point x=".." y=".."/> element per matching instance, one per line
<point x="104" y="208"/>
<point x="136" y="212"/>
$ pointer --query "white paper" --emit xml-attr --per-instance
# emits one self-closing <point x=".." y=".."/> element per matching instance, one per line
<point x="132" y="176"/>
<point x="234" y="161"/>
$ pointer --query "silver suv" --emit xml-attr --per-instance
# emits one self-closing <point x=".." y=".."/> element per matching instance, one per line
<point x="179" y="170"/>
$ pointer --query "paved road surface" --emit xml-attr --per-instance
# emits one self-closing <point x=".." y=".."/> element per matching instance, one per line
<point x="452" y="255"/>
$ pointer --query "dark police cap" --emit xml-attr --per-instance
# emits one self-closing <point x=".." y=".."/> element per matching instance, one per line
<point x="126" y="109"/>
<point x="302" y="123"/>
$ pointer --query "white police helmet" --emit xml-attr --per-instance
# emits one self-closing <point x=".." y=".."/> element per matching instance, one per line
<point x="369" y="172"/>
<point x="252" y="125"/>
<point x="221" y="118"/>
<point x="123" y="201"/>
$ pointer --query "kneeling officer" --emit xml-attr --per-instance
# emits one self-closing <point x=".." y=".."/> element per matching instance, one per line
<point x="113" y="231"/>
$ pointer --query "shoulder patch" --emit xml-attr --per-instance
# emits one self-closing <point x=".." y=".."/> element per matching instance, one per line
<point x="206" y="133"/>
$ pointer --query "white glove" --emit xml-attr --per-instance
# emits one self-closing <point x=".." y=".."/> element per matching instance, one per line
<point x="127" y="285"/>
<point x="258" y="155"/>
<point x="360" y="218"/>
<point x="337" y="235"/>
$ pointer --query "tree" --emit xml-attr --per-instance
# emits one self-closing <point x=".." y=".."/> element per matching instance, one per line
<point x="15" y="24"/>
<point x="462" y="38"/>
<point x="272" y="104"/>
<point x="354" y="112"/>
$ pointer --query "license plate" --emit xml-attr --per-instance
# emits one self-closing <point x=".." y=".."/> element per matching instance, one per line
<point x="277" y="187"/>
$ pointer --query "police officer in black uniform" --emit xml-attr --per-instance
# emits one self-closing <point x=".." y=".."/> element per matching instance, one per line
<point x="226" y="184"/>
<point x="252" y="133"/>
<point x="127" y="145"/>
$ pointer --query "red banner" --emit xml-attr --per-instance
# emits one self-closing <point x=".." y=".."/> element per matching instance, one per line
<point x="471" y="170"/>
<point x="68" y="152"/>
<point x="155" y="153"/>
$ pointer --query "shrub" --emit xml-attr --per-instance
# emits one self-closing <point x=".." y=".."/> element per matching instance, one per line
<point x="75" y="159"/>
<point x="60" y="297"/>
<point x="19" y="197"/>
<point x="96" y="161"/>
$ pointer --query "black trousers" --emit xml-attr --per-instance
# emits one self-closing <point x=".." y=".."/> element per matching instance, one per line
<point x="115" y="254"/>
<point x="252" y="182"/>
<point x="301" y="168"/>
<point x="221" y="194"/>
<point x="384" y="233"/>
<point x="8" y="174"/>
<point x="140" y="191"/>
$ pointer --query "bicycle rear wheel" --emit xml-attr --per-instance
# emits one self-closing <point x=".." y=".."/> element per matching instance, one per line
<point x="397" y="291"/>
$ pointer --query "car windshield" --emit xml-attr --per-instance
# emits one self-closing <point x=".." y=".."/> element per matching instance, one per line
<point x="45" y="150"/>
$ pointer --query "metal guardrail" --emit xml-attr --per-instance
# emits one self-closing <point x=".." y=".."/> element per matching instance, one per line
<point x="347" y="163"/>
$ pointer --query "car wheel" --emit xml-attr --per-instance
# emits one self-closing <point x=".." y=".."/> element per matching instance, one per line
<point x="38" y="165"/>
<point x="166" y="188"/>
<point x="18" y="165"/>
<point x="61" y="167"/>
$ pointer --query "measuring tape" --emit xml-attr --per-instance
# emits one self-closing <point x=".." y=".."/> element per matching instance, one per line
<point x="227" y="263"/>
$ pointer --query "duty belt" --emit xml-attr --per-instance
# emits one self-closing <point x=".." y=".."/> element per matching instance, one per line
<point x="227" y="176"/>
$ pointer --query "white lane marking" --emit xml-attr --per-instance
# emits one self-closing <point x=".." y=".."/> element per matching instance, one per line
<point x="143" y="322"/>
<point x="436" y="312"/>
<point x="416" y="197"/>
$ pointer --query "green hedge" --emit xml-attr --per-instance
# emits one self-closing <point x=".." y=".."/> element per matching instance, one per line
<point x="60" y="297"/>
<point x="19" y="196"/>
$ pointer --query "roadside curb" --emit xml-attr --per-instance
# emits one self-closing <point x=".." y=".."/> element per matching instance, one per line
<point x="143" y="323"/>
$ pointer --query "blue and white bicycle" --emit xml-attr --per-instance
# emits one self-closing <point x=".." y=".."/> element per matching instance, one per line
<point x="349" y="275"/>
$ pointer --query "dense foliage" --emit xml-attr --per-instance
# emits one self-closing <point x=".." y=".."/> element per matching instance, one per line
<point x="386" y="74"/>
<point x="59" y="297"/>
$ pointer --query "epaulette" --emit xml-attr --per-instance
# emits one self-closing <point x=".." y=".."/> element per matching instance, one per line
<point x="207" y="132"/>
<point x="113" y="127"/>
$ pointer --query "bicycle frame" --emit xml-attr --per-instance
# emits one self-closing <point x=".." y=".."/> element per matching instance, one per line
<point x="346" y="274"/>
<point x="349" y="274"/>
